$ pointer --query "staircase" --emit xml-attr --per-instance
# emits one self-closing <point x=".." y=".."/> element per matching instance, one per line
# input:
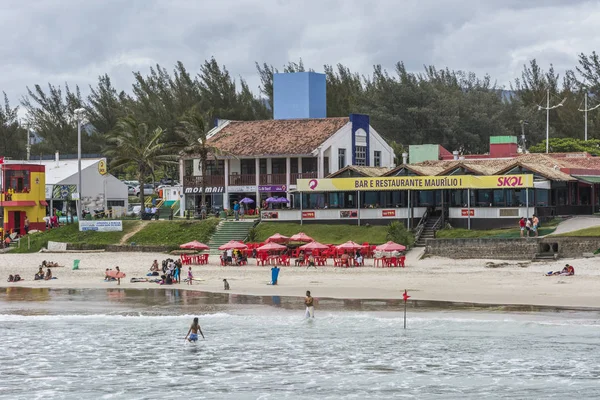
<point x="165" y="209"/>
<point x="428" y="232"/>
<point x="229" y="230"/>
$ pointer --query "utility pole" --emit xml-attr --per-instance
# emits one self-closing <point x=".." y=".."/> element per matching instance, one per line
<point x="585" y="111"/>
<point x="28" y="143"/>
<point x="548" y="108"/>
<point x="523" y="140"/>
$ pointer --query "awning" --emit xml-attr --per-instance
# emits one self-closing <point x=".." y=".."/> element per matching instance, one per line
<point x="43" y="203"/>
<point x="588" y="179"/>
<point x="18" y="203"/>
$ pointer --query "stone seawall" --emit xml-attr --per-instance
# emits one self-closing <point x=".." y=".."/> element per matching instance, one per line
<point x="512" y="249"/>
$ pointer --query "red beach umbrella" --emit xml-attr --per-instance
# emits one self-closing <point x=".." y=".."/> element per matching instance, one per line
<point x="278" y="238"/>
<point x="314" y="246"/>
<point x="194" y="245"/>
<point x="233" y="244"/>
<point x="271" y="247"/>
<point x="349" y="245"/>
<point x="301" y="237"/>
<point x="390" y="246"/>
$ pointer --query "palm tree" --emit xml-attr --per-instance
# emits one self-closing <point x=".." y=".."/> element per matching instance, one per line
<point x="132" y="144"/>
<point x="193" y="131"/>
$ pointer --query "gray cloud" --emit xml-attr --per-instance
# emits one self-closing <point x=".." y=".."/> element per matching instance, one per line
<point x="66" y="40"/>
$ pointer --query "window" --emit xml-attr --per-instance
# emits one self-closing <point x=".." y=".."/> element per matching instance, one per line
<point x="248" y="166"/>
<point x="341" y="158"/>
<point x="361" y="155"/>
<point x="262" y="165"/>
<point x="377" y="158"/>
<point x="278" y="166"/>
<point x="215" y="167"/>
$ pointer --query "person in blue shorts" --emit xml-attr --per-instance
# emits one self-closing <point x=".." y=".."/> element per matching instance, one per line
<point x="192" y="334"/>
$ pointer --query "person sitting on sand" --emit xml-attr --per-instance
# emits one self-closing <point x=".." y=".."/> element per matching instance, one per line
<point x="154" y="267"/>
<point x="345" y="258"/>
<point x="358" y="258"/>
<point x="311" y="261"/>
<point x="14" y="278"/>
<point x="568" y="270"/>
<point x="48" y="275"/>
<point x="40" y="275"/>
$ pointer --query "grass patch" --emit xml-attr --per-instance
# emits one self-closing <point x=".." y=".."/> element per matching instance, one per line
<point x="587" y="232"/>
<point x="324" y="233"/>
<point x="70" y="234"/>
<point x="507" y="233"/>
<point x="174" y="233"/>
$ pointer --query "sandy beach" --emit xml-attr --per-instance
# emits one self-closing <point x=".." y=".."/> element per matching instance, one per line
<point x="436" y="279"/>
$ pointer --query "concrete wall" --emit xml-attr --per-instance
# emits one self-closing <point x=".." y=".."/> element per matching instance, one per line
<point x="511" y="249"/>
<point x="423" y="152"/>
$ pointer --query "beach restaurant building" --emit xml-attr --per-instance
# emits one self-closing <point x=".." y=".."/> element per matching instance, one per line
<point x="477" y="192"/>
<point x="266" y="159"/>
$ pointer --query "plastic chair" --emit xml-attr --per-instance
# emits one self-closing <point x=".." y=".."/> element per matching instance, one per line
<point x="76" y="264"/>
<point x="402" y="260"/>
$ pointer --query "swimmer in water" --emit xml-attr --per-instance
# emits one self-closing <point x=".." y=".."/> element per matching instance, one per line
<point x="310" y="309"/>
<point x="192" y="334"/>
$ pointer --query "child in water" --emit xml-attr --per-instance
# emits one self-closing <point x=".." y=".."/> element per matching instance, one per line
<point x="193" y="332"/>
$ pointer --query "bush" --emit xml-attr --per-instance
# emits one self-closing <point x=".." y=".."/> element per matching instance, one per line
<point x="398" y="233"/>
<point x="252" y="236"/>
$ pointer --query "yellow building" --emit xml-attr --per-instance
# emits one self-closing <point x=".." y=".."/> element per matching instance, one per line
<point x="23" y="196"/>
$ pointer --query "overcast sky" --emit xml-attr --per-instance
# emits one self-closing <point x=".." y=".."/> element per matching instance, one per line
<point x="61" y="41"/>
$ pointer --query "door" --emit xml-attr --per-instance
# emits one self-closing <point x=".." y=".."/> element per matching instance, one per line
<point x="14" y="221"/>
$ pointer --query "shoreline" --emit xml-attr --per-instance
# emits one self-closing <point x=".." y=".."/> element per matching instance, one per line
<point x="458" y="283"/>
<point x="395" y="303"/>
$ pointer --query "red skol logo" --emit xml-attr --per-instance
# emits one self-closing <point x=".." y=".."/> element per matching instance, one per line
<point x="510" y="181"/>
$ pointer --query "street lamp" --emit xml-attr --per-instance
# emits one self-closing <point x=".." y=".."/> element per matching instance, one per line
<point x="548" y="108"/>
<point x="79" y="115"/>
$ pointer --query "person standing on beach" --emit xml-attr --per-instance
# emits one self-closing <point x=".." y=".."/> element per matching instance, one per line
<point x="536" y="222"/>
<point x="190" y="276"/>
<point x="192" y="335"/>
<point x="522" y="225"/>
<point x="528" y="226"/>
<point x="118" y="275"/>
<point x="309" y="303"/>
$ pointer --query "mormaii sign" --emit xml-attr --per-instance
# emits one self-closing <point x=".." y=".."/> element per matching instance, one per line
<point x="207" y="190"/>
<point x="101" y="226"/>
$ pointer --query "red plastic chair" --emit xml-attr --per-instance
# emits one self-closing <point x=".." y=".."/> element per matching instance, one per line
<point x="402" y="260"/>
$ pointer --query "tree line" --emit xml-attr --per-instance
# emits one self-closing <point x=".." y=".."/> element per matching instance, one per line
<point x="456" y="109"/>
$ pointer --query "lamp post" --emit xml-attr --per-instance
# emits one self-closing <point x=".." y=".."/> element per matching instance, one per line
<point x="79" y="114"/>
<point x="585" y="110"/>
<point x="548" y="108"/>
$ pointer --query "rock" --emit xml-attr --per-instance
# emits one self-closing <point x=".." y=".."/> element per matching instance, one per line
<point x="588" y="255"/>
<point x="491" y="264"/>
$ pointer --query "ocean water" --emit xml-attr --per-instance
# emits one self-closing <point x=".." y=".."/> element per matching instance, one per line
<point x="130" y="345"/>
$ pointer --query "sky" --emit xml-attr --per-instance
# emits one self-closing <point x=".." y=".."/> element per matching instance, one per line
<point x="60" y="41"/>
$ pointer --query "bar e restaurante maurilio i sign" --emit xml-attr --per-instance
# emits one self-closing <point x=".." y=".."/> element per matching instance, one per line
<point x="416" y="183"/>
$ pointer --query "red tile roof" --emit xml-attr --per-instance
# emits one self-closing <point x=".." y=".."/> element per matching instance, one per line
<point x="275" y="137"/>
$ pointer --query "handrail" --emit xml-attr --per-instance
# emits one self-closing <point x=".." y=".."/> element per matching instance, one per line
<point x="421" y="225"/>
<point x="436" y="226"/>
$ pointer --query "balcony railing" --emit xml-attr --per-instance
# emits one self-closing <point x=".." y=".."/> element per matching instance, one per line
<point x="272" y="179"/>
<point x="304" y="175"/>
<point x="242" y="180"/>
<point x="210" y="180"/>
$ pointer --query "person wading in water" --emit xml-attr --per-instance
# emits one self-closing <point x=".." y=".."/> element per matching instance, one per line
<point x="310" y="309"/>
<point x="192" y="334"/>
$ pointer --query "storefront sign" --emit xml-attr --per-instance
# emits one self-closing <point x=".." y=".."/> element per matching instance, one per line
<point x="208" y="190"/>
<point x="416" y="183"/>
<point x="308" y="214"/>
<point x="272" y="188"/>
<point x="349" y="214"/>
<point x="465" y="212"/>
<point x="49" y="192"/>
<point x="388" y="213"/>
<point x="241" y="189"/>
<point x="101" y="226"/>
<point x="102" y="169"/>
<point x="269" y="215"/>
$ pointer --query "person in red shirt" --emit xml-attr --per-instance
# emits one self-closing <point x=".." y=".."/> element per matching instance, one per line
<point x="522" y="225"/>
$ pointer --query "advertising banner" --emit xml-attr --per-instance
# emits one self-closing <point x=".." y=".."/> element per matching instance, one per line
<point x="63" y="192"/>
<point x="416" y="183"/>
<point x="465" y="212"/>
<point x="388" y="213"/>
<point x="349" y="214"/>
<point x="269" y="215"/>
<point x="101" y="226"/>
<point x="272" y="188"/>
<point x="308" y="214"/>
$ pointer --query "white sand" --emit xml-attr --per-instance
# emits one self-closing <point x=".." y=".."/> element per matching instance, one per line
<point x="428" y="279"/>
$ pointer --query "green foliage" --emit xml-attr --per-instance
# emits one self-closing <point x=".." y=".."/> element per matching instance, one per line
<point x="323" y="233"/>
<point x="397" y="232"/>
<point x="12" y="135"/>
<point x="252" y="235"/>
<point x="566" y="145"/>
<point x="174" y="233"/>
<point x="587" y="232"/>
<point x="132" y="144"/>
<point x="459" y="233"/>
